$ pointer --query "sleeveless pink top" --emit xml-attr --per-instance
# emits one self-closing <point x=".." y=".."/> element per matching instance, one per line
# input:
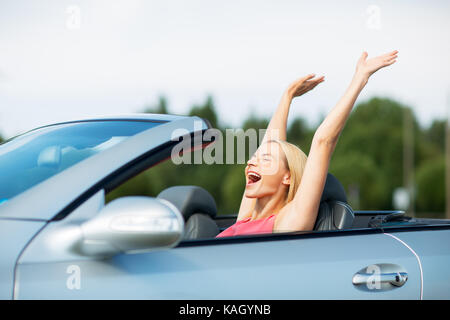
<point x="246" y="226"/>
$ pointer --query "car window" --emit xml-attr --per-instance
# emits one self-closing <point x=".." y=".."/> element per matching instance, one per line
<point x="35" y="156"/>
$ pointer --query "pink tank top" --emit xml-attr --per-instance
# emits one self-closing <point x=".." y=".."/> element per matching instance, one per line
<point x="246" y="226"/>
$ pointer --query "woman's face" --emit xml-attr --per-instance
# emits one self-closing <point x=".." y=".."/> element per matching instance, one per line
<point x="266" y="171"/>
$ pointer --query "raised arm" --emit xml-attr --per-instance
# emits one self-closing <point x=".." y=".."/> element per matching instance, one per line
<point x="278" y="124"/>
<point x="301" y="213"/>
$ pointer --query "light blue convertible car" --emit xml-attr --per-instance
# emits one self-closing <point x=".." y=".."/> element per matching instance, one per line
<point x="60" y="239"/>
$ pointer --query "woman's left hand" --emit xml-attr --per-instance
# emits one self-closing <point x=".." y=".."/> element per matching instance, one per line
<point x="366" y="67"/>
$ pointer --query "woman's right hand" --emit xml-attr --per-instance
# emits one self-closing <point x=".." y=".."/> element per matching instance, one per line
<point x="303" y="85"/>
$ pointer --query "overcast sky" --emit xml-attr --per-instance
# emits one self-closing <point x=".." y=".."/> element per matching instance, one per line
<point x="62" y="60"/>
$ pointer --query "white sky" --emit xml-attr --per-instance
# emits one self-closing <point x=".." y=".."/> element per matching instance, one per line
<point x="125" y="53"/>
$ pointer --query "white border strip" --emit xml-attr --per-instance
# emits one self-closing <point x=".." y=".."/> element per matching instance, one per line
<point x="418" y="260"/>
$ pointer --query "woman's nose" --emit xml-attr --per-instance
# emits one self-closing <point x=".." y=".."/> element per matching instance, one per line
<point x="252" y="161"/>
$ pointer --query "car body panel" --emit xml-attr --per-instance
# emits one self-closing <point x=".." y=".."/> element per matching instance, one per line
<point x="433" y="249"/>
<point x="14" y="235"/>
<point x="302" y="268"/>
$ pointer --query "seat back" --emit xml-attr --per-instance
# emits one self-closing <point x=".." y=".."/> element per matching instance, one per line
<point x="190" y="200"/>
<point x="200" y="226"/>
<point x="198" y="209"/>
<point x="334" y="211"/>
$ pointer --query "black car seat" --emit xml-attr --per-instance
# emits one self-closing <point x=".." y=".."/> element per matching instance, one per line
<point x="198" y="209"/>
<point x="334" y="211"/>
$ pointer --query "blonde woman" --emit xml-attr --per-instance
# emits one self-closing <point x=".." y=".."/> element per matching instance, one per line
<point x="283" y="185"/>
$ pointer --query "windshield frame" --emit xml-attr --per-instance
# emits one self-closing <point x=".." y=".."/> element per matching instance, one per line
<point x="80" y="121"/>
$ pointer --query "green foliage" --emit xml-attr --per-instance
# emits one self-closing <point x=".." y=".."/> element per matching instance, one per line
<point x="255" y="122"/>
<point x="374" y="135"/>
<point x="359" y="175"/>
<point x="430" y="182"/>
<point x="368" y="159"/>
<point x="160" y="107"/>
<point x="300" y="134"/>
<point x="436" y="134"/>
<point x="206" y="111"/>
<point x="233" y="187"/>
<point x="431" y="141"/>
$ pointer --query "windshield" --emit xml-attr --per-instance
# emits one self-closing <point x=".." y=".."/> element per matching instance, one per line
<point x="35" y="156"/>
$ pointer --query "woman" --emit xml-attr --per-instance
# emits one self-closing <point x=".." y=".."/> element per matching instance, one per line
<point x="284" y="186"/>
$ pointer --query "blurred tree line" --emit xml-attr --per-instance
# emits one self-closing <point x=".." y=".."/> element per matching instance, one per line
<point x="368" y="159"/>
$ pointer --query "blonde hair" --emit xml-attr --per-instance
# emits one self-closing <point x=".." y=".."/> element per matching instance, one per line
<point x="295" y="160"/>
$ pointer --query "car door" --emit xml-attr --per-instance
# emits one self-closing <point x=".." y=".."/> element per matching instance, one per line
<point x="431" y="246"/>
<point x="321" y="265"/>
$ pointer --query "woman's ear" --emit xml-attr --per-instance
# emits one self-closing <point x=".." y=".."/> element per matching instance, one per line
<point x="286" y="179"/>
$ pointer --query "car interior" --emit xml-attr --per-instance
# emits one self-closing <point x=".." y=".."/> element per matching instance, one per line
<point x="202" y="221"/>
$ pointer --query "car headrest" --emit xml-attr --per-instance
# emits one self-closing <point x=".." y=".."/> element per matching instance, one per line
<point x="333" y="190"/>
<point x="334" y="212"/>
<point x="190" y="200"/>
<point x="50" y="157"/>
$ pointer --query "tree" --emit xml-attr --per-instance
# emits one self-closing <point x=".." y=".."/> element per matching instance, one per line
<point x="300" y="134"/>
<point x="206" y="111"/>
<point x="430" y="182"/>
<point x="374" y="132"/>
<point x="160" y="107"/>
<point x="255" y="122"/>
<point x="435" y="134"/>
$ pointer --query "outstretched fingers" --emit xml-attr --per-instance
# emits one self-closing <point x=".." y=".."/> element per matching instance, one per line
<point x="390" y="62"/>
<point x="390" y="58"/>
<point x="315" y="82"/>
<point x="308" y="77"/>
<point x="390" y="55"/>
<point x="305" y="84"/>
<point x="308" y="80"/>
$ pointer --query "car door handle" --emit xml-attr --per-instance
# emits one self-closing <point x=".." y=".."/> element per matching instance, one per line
<point x="394" y="278"/>
<point x="380" y="277"/>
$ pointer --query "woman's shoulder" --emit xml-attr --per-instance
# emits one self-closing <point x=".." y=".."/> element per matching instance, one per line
<point x="280" y="216"/>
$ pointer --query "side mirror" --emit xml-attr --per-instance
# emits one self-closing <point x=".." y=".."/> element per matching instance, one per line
<point x="130" y="225"/>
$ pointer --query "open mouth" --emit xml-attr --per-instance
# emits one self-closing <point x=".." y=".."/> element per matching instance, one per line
<point x="253" y="177"/>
